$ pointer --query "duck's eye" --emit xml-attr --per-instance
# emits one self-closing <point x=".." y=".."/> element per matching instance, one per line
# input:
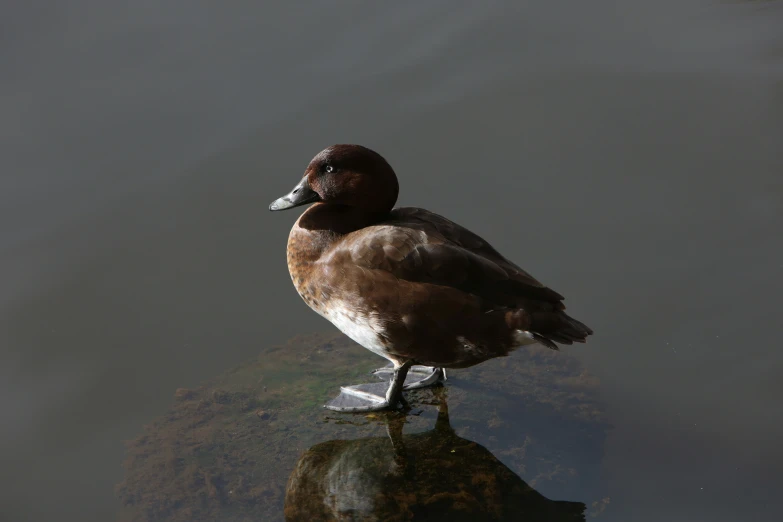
<point x="328" y="168"/>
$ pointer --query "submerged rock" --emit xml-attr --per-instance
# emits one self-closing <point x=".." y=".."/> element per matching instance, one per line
<point x="530" y="426"/>
<point x="434" y="476"/>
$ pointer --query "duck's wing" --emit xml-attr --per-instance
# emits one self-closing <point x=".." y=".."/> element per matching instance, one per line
<point x="420" y="246"/>
<point x="451" y="252"/>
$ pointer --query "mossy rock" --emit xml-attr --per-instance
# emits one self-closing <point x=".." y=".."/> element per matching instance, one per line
<point x="226" y="450"/>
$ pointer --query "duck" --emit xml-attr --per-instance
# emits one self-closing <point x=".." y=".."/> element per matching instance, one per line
<point x="408" y="284"/>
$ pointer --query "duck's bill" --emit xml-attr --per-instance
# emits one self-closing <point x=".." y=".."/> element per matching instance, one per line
<point x="301" y="195"/>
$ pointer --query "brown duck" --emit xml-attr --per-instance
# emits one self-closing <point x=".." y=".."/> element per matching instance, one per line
<point x="408" y="284"/>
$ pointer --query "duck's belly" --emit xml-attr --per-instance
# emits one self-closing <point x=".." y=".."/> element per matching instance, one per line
<point x="364" y="329"/>
<point x="438" y="347"/>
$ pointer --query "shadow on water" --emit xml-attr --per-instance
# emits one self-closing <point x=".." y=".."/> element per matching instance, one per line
<point x="249" y="444"/>
<point x="435" y="475"/>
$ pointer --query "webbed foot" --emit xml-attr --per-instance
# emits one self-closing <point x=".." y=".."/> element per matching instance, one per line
<point x="361" y="398"/>
<point x="373" y="396"/>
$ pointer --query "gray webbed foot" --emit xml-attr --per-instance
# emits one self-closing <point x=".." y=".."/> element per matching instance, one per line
<point x="418" y="376"/>
<point x="360" y="397"/>
<point x="373" y="396"/>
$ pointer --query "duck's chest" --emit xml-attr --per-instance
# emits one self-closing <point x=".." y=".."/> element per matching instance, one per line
<point x="324" y="286"/>
<point x="312" y="283"/>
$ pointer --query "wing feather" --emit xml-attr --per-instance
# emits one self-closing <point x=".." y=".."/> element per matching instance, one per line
<point x="420" y="246"/>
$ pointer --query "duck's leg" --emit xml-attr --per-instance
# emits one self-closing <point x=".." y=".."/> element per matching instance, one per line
<point x="418" y="376"/>
<point x="372" y="397"/>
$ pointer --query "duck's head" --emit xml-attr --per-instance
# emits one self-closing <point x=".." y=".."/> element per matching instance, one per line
<point x="348" y="175"/>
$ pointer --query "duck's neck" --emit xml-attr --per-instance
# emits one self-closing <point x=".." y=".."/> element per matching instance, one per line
<point x="323" y="224"/>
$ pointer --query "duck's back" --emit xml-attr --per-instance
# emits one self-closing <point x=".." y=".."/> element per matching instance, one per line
<point x="420" y="246"/>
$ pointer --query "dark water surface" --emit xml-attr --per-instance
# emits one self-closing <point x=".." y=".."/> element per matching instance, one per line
<point x="627" y="154"/>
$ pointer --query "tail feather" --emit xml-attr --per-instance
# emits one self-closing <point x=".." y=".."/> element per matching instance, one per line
<point x="549" y="328"/>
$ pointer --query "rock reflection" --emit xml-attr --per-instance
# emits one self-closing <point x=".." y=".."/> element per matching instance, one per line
<point x="431" y="476"/>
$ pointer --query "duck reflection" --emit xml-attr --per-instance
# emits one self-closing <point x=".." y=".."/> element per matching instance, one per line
<point x="431" y="476"/>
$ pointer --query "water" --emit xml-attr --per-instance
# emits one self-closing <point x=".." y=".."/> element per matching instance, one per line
<point x="254" y="443"/>
<point x="627" y="155"/>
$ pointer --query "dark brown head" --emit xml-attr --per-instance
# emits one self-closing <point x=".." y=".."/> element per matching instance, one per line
<point x="349" y="175"/>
